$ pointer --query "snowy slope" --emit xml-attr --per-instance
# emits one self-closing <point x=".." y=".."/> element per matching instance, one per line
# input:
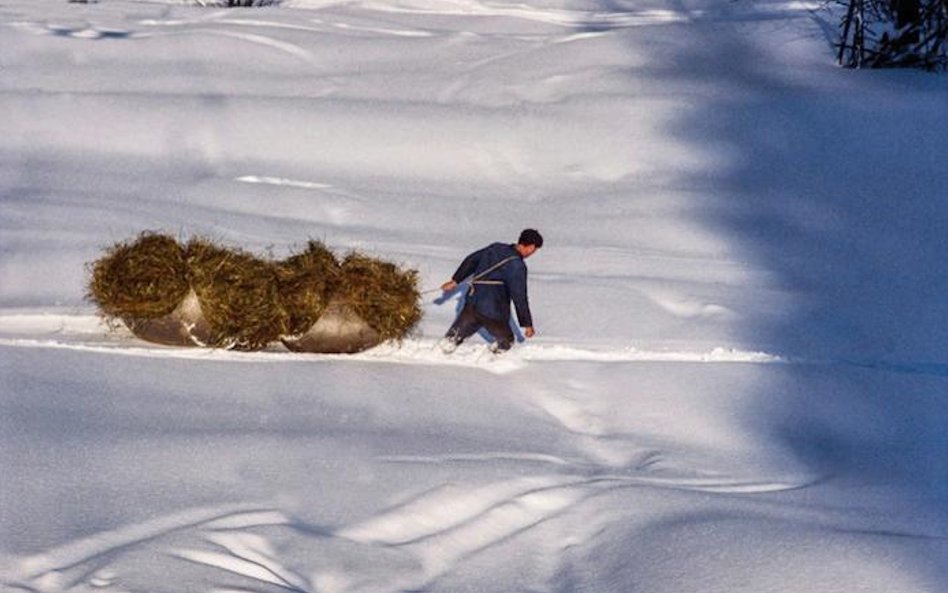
<point x="739" y="381"/>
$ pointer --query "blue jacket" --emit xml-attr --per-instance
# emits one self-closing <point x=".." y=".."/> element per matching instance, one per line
<point x="492" y="292"/>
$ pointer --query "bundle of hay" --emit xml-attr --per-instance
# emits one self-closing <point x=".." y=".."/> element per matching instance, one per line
<point x="206" y="295"/>
<point x="369" y="301"/>
<point x="306" y="282"/>
<point x="197" y="295"/>
<point x="238" y="294"/>
<point x="382" y="294"/>
<point x="145" y="278"/>
<point x="144" y="284"/>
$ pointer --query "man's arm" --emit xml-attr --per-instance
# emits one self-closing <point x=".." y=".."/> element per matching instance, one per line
<point x="467" y="268"/>
<point x="517" y="285"/>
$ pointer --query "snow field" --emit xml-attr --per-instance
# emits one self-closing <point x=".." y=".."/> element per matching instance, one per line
<point x="738" y="382"/>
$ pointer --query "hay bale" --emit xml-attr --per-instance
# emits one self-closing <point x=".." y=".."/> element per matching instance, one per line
<point x="145" y="278"/>
<point x="207" y="295"/>
<point x="306" y="282"/>
<point x="144" y="284"/>
<point x="369" y="301"/>
<point x="381" y="293"/>
<point x="238" y="294"/>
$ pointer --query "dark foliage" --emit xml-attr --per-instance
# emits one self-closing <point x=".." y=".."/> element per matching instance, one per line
<point x="894" y="34"/>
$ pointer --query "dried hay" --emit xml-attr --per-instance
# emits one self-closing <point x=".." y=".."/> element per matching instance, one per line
<point x="142" y="279"/>
<point x="381" y="293"/>
<point x="306" y="283"/>
<point x="238" y="294"/>
<point x="203" y="294"/>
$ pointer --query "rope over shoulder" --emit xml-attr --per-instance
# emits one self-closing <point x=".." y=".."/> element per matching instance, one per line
<point x="477" y="279"/>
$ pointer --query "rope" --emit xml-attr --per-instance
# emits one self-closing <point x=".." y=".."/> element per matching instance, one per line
<point x="498" y="265"/>
<point x="477" y="279"/>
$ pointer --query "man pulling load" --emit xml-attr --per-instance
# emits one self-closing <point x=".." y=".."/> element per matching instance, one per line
<point x="498" y="276"/>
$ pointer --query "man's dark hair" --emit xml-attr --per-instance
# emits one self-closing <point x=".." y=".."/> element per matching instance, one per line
<point x="531" y="237"/>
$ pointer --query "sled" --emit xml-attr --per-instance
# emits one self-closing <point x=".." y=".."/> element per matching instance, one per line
<point x="339" y="330"/>
<point x="185" y="326"/>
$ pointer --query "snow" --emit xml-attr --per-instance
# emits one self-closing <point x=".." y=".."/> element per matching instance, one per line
<point x="739" y="380"/>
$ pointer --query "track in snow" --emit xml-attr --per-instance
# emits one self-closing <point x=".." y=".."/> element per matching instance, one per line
<point x="88" y="333"/>
<point x="437" y="531"/>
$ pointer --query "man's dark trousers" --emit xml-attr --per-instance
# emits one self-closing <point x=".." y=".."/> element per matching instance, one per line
<point x="470" y="321"/>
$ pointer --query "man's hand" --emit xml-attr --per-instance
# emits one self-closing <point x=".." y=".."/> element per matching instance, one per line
<point x="529" y="332"/>
<point x="449" y="286"/>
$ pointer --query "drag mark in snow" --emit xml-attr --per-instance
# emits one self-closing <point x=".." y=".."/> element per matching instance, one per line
<point x="445" y="509"/>
<point x="38" y="568"/>
<point x="551" y="16"/>
<point x="51" y="324"/>
<point x="247" y="519"/>
<point x="382" y="30"/>
<point x="283" y="182"/>
<point x="479" y="457"/>
<point x="85" y="31"/>
<point x="87" y="333"/>
<point x="575" y="18"/>
<point x="425" y="352"/>
<point x="283" y="46"/>
<point x="248" y="555"/>
<point x="445" y="526"/>
<point x="337" y="211"/>
<point x="684" y="306"/>
<point x="290" y="26"/>
<point x="439" y="529"/>
<point x="238" y="22"/>
<point x="631" y="354"/>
